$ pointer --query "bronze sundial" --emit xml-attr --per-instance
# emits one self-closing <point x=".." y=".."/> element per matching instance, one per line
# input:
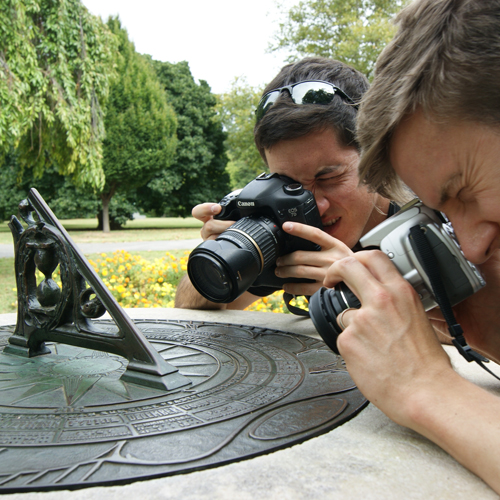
<point x="73" y="415"/>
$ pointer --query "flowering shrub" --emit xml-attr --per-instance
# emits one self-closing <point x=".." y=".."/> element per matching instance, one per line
<point x="137" y="282"/>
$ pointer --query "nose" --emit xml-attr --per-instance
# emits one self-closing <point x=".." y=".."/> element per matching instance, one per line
<point x="322" y="203"/>
<point x="478" y="241"/>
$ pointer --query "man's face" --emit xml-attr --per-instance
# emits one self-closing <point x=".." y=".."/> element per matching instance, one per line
<point x="330" y="171"/>
<point x="455" y="169"/>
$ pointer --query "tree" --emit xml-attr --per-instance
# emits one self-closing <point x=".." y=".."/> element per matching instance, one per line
<point x="237" y="110"/>
<point x="197" y="173"/>
<point x="11" y="193"/>
<point x="65" y="200"/>
<point x="140" y="124"/>
<point x="55" y="63"/>
<point x="351" y="31"/>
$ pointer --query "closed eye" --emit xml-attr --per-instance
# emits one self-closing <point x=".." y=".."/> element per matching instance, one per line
<point x="331" y="178"/>
<point x="464" y="195"/>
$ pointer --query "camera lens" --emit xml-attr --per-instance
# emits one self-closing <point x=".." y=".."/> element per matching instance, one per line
<point x="324" y="307"/>
<point x="222" y="269"/>
<point x="211" y="276"/>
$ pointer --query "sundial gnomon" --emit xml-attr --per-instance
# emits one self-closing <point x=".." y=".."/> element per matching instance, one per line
<point x="70" y="419"/>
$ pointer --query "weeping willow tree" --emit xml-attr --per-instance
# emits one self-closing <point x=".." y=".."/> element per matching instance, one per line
<point x="56" y="60"/>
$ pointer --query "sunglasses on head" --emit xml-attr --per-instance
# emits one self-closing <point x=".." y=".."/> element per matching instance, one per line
<point x="306" y="92"/>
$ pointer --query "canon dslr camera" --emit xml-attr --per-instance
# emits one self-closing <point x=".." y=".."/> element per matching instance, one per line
<point x="245" y="254"/>
<point x="396" y="237"/>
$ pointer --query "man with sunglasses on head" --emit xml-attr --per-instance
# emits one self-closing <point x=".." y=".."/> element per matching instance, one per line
<point x="305" y="130"/>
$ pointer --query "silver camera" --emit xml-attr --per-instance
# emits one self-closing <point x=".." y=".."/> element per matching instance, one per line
<point x="460" y="277"/>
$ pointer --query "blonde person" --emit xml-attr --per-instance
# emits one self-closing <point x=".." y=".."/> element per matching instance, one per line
<point x="431" y="120"/>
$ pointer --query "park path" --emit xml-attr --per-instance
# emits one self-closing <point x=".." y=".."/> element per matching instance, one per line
<point x="130" y="246"/>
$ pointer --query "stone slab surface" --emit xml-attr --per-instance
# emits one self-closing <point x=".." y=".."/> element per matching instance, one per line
<point x="369" y="457"/>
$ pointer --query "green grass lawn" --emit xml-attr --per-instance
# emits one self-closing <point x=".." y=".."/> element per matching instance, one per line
<point x="148" y="223"/>
<point x="8" y="281"/>
<point x="150" y="229"/>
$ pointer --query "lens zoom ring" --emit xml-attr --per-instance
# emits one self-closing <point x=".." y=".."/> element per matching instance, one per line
<point x="245" y="242"/>
<point x="261" y="232"/>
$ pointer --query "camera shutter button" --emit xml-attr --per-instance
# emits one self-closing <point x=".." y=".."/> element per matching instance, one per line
<point x="294" y="189"/>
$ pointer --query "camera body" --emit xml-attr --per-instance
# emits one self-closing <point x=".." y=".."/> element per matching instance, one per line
<point x="460" y="277"/>
<point x="244" y="256"/>
<point x="276" y="197"/>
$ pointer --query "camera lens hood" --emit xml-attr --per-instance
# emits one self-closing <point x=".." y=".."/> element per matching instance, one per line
<point x="324" y="307"/>
<point x="324" y="319"/>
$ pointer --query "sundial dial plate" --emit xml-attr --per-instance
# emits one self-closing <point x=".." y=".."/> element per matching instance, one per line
<point x="68" y="419"/>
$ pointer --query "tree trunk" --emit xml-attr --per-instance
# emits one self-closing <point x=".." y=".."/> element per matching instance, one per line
<point x="106" y="198"/>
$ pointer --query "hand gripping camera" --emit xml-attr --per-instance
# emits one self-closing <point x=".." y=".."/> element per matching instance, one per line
<point x="245" y="254"/>
<point x="399" y="237"/>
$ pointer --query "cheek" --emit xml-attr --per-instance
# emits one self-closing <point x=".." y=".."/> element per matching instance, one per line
<point x="351" y="184"/>
<point x="356" y="199"/>
<point x="490" y="208"/>
<point x="346" y="192"/>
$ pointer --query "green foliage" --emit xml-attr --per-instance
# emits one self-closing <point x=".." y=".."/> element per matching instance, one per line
<point x="68" y="201"/>
<point x="65" y="200"/>
<point x="197" y="173"/>
<point x="11" y="193"/>
<point x="351" y="31"/>
<point x="237" y="110"/>
<point x="140" y="124"/>
<point x="55" y="63"/>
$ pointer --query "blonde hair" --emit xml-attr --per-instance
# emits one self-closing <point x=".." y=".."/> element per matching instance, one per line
<point x="445" y="60"/>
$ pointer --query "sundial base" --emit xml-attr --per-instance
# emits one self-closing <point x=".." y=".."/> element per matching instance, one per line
<point x="69" y="419"/>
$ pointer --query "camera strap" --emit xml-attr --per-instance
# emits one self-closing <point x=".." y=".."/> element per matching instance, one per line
<point x="429" y="262"/>
<point x="287" y="297"/>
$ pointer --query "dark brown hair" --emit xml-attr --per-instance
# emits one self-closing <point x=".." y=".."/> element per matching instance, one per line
<point x="286" y="120"/>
